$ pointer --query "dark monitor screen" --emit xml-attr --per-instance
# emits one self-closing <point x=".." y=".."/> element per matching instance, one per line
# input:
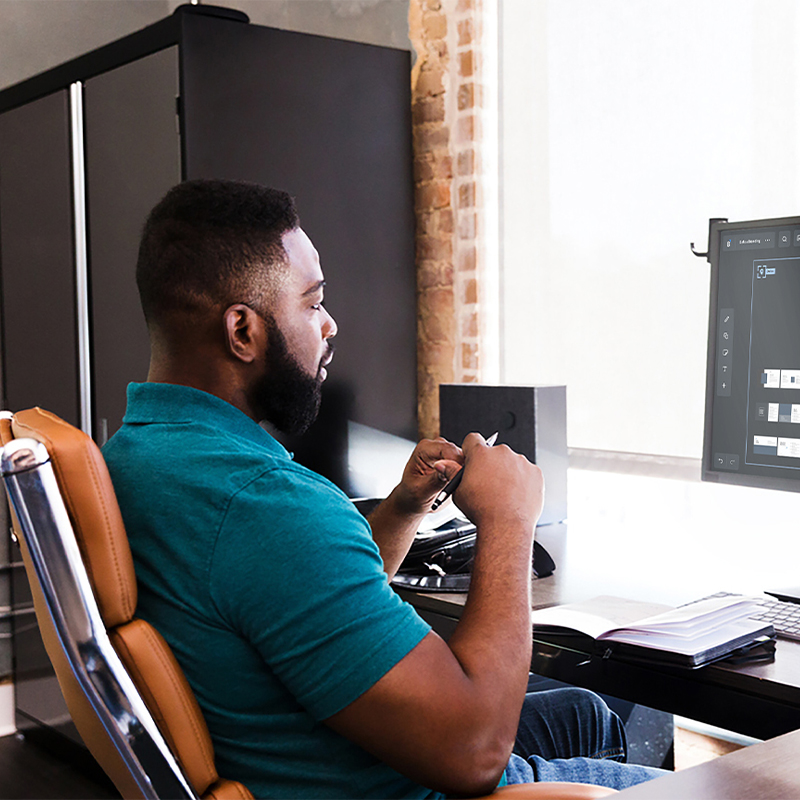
<point x="752" y="424"/>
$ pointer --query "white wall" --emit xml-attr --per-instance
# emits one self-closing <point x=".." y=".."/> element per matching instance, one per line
<point x="383" y="22"/>
<point x="625" y="127"/>
<point x="36" y="35"/>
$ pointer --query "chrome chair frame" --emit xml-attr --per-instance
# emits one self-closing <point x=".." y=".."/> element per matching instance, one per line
<point x="37" y="503"/>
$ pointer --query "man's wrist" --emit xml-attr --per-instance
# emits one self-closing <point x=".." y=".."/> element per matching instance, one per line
<point x="405" y="504"/>
<point x="504" y="524"/>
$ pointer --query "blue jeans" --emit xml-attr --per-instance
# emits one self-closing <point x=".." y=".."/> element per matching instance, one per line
<point x="572" y="735"/>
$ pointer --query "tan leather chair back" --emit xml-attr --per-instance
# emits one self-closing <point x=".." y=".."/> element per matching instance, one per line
<point x="89" y="497"/>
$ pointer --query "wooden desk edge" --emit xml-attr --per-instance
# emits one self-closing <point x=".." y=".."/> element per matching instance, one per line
<point x="765" y="771"/>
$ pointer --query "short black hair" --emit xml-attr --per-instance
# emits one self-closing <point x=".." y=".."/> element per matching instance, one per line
<point x="210" y="242"/>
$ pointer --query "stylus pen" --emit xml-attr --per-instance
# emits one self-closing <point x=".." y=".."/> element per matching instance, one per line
<point x="454" y="482"/>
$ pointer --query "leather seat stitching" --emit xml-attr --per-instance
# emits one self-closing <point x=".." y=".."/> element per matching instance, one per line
<point x="128" y="609"/>
<point x="169" y="672"/>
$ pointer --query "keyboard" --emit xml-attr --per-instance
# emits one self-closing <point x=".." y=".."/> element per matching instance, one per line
<point x="784" y="617"/>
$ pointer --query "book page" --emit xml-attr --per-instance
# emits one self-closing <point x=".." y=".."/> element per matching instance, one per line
<point x="595" y="616"/>
<point x="696" y="619"/>
<point x="572" y="619"/>
<point x="617" y="619"/>
<point x="690" y="647"/>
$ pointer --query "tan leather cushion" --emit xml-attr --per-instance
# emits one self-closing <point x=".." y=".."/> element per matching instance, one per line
<point x="6" y="435"/>
<point x="80" y="708"/>
<point x="89" y="496"/>
<point x="227" y="790"/>
<point x="550" y="791"/>
<point x="165" y="690"/>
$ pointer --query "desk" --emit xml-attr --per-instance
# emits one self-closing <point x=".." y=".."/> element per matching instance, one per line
<point x="765" y="771"/>
<point x="759" y="700"/>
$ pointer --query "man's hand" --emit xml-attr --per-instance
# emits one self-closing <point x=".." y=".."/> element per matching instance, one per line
<point x="395" y="521"/>
<point x="432" y="464"/>
<point x="499" y="486"/>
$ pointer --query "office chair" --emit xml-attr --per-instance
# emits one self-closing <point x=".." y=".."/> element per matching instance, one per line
<point x="127" y="695"/>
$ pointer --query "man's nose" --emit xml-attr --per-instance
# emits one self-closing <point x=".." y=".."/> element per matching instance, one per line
<point x="329" y="328"/>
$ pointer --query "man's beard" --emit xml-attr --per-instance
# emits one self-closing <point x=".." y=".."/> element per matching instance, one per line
<point x="286" y="395"/>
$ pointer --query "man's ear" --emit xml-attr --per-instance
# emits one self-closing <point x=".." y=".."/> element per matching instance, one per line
<point x="244" y="333"/>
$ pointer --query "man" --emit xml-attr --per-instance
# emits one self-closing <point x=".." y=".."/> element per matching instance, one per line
<point x="314" y="677"/>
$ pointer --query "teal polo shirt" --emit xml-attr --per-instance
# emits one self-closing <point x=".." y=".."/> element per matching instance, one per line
<point x="268" y="586"/>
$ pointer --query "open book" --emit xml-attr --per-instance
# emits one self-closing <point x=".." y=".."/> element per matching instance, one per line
<point x="692" y="635"/>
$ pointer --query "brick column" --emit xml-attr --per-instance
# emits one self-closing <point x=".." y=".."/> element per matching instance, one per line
<point x="447" y="99"/>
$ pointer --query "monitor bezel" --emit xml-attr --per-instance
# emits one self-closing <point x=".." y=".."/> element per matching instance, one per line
<point x="717" y="227"/>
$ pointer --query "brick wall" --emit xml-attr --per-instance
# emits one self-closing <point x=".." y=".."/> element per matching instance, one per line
<point x="447" y="101"/>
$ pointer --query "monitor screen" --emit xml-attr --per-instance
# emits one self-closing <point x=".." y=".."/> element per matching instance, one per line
<point x="752" y="424"/>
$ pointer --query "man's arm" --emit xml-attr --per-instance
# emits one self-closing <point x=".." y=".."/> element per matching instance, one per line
<point x="446" y="715"/>
<point x="396" y="520"/>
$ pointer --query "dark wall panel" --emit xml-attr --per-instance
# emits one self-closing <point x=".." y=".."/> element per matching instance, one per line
<point x="132" y="159"/>
<point x="39" y="336"/>
<point x="36" y="248"/>
<point x="329" y="122"/>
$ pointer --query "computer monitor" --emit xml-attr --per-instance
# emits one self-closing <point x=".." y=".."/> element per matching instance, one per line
<point x="752" y="420"/>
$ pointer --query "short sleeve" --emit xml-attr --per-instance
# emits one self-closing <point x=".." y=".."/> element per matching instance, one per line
<point x="295" y="571"/>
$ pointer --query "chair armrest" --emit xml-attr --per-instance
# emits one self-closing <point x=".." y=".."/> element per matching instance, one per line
<point x="550" y="791"/>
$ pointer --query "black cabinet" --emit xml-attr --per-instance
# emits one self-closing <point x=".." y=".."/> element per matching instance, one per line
<point x="336" y="133"/>
<point x="40" y="355"/>
<point x="87" y="148"/>
<point x="132" y="159"/>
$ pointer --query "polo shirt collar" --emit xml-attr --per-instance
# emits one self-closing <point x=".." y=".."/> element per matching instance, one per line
<point x="174" y="404"/>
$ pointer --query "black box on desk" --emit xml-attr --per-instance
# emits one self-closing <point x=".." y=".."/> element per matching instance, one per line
<point x="530" y="419"/>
